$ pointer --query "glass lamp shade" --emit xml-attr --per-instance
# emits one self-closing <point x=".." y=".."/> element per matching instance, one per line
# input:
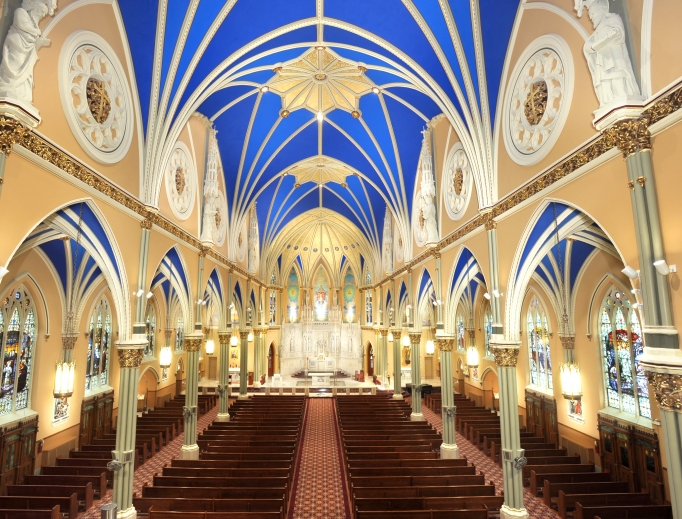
<point x="430" y="349"/>
<point x="472" y="357"/>
<point x="233" y="341"/>
<point x="571" y="386"/>
<point x="210" y="347"/>
<point x="390" y="336"/>
<point x="250" y="337"/>
<point x="406" y="340"/>
<point x="63" y="381"/>
<point x="165" y="357"/>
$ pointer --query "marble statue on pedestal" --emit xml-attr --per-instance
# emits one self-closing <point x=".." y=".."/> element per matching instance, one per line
<point x="20" y="49"/>
<point x="607" y="54"/>
<point x="425" y="224"/>
<point x="388" y="242"/>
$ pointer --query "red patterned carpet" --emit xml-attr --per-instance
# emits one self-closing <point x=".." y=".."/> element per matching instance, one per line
<point x="536" y="508"/>
<point x="319" y="487"/>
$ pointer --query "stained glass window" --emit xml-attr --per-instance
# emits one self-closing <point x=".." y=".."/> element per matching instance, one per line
<point x="150" y="328"/>
<point x="179" y="334"/>
<point x="621" y="337"/>
<point x="488" y="328"/>
<point x="368" y="306"/>
<point x="18" y="343"/>
<point x="273" y="307"/>
<point x="540" y="359"/>
<point x="459" y="325"/>
<point x="97" y="366"/>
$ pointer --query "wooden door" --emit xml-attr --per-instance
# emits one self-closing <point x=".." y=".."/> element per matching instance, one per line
<point x="11" y="454"/>
<point x="370" y="360"/>
<point x="428" y="367"/>
<point x="26" y="464"/>
<point x="87" y="420"/>
<point x="108" y="413"/>
<point x="626" y="461"/>
<point x="607" y="450"/>
<point x="549" y="421"/>
<point x="271" y="361"/>
<point x="213" y="368"/>
<point x="99" y="423"/>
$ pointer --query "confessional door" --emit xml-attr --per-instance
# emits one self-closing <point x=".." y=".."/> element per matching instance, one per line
<point x="87" y="419"/>
<point x="212" y="368"/>
<point x="271" y="362"/>
<point x="17" y="454"/>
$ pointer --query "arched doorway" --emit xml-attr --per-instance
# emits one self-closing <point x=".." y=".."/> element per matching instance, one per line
<point x="370" y="359"/>
<point x="459" y="377"/>
<point x="179" y="376"/>
<point x="146" y="390"/>
<point x="490" y="389"/>
<point x="271" y="359"/>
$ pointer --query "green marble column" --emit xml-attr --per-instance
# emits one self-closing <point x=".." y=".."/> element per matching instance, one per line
<point x="244" y="365"/>
<point x="415" y="341"/>
<point x="224" y="376"/>
<point x="384" y="358"/>
<point x="130" y="354"/>
<point x="448" y="448"/>
<point x="190" y="449"/>
<point x="397" y="374"/>
<point x="257" y="342"/>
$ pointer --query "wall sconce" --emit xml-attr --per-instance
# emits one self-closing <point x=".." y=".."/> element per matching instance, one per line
<point x="165" y="357"/>
<point x="390" y="336"/>
<point x="406" y="340"/>
<point x="630" y="272"/>
<point x="663" y="268"/>
<point x="571" y="386"/>
<point x="63" y="380"/>
<point x="497" y="294"/>
<point x="139" y="293"/>
<point x="250" y="338"/>
<point x="472" y="357"/>
<point x="487" y="296"/>
<point x="430" y="349"/>
<point x="210" y="347"/>
<point x="233" y="341"/>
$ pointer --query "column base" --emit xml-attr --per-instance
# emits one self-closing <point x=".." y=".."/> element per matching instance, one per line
<point x="256" y="384"/>
<point x="397" y="396"/>
<point x="448" y="451"/>
<point x="417" y="417"/>
<point x="189" y="452"/>
<point x="507" y="512"/>
<point x="223" y="417"/>
<point x="130" y="513"/>
<point x="242" y="397"/>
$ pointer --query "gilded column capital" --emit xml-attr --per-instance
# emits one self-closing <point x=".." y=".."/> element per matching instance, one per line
<point x="506" y="357"/>
<point x="490" y="224"/>
<point x="668" y="390"/>
<point x="193" y="343"/>
<point x="11" y="132"/>
<point x="396" y="335"/>
<point x="415" y="337"/>
<point x="146" y="223"/>
<point x="69" y="341"/>
<point x="629" y="136"/>
<point x="384" y="332"/>
<point x="243" y="335"/>
<point x="567" y="341"/>
<point x="444" y="344"/>
<point x="130" y="357"/>
<point x="168" y="332"/>
<point x="224" y="337"/>
<point x="472" y="333"/>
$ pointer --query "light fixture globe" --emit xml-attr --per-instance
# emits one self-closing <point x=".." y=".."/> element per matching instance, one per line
<point x="430" y="348"/>
<point x="165" y="357"/>
<point x="63" y="381"/>
<point x="233" y="341"/>
<point x="250" y="338"/>
<point x="210" y="347"/>
<point x="406" y="340"/>
<point x="390" y="336"/>
<point x="571" y="385"/>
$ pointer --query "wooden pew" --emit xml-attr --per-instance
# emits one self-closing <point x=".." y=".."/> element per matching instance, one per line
<point x="428" y="503"/>
<point x="213" y="492"/>
<point x="559" y="469"/>
<point x="144" y="504"/>
<point x="423" y="514"/>
<point x="550" y="491"/>
<point x="549" y="460"/>
<point x="84" y="493"/>
<point x="623" y="512"/>
<point x="66" y="504"/>
<point x="77" y="471"/>
<point x="99" y="483"/>
<point x="567" y="501"/>
<point x="537" y="481"/>
<point x="162" y="514"/>
<point x="53" y="513"/>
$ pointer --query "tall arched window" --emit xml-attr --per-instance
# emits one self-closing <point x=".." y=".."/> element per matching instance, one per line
<point x="179" y="334"/>
<point x="17" y="336"/>
<point x="621" y="338"/>
<point x="273" y="307"/>
<point x="368" y="307"/>
<point x="538" y="346"/>
<point x="461" y="331"/>
<point x="487" y="327"/>
<point x="97" y="365"/>
<point x="150" y="330"/>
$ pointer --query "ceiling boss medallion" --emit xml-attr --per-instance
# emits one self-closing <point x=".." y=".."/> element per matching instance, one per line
<point x="320" y="81"/>
<point x="321" y="170"/>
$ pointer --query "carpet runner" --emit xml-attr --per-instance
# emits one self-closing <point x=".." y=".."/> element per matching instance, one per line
<point x="319" y="484"/>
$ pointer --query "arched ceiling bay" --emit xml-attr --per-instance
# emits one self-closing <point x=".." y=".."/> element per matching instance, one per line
<point x="290" y="85"/>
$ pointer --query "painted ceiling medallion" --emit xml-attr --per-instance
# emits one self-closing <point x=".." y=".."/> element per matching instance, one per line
<point x="320" y="81"/>
<point x="181" y="181"/>
<point x="458" y="182"/>
<point x="538" y="103"/>
<point x="95" y="97"/>
<point x="320" y="170"/>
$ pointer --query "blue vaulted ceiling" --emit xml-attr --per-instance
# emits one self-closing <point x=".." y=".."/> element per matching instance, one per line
<point x="426" y="57"/>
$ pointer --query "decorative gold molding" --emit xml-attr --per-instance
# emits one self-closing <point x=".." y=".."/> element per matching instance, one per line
<point x="629" y="136"/>
<point x="146" y="223"/>
<point x="668" y="390"/>
<point x="224" y="338"/>
<point x="193" y="344"/>
<point x="567" y="341"/>
<point x="130" y="358"/>
<point x="69" y="341"/>
<point x="396" y="335"/>
<point x="167" y="333"/>
<point x="243" y="335"/>
<point x="415" y="337"/>
<point x="445" y="344"/>
<point x="506" y="357"/>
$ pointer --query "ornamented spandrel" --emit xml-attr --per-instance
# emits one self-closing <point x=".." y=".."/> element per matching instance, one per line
<point x="130" y="358"/>
<point x="193" y="343"/>
<point x="506" y="357"/>
<point x="668" y="390"/>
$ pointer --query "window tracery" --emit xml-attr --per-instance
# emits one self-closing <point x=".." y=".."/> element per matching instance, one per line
<point x="538" y="346"/>
<point x="99" y="341"/>
<point x="621" y="339"/>
<point x="179" y="334"/>
<point x="150" y="329"/>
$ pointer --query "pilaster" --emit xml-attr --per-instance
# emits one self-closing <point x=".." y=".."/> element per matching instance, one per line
<point x="449" y="448"/>
<point x="224" y="376"/>
<point x="244" y="365"/>
<point x="397" y="374"/>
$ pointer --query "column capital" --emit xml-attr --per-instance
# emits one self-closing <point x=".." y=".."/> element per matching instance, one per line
<point x="472" y="333"/>
<point x="146" y="223"/>
<point x="130" y="352"/>
<point x="168" y="332"/>
<point x="415" y="337"/>
<point x="193" y="342"/>
<point x="567" y="341"/>
<point x="629" y="135"/>
<point x="444" y="343"/>
<point x="224" y="337"/>
<point x="243" y="335"/>
<point x="668" y="390"/>
<point x="69" y="340"/>
<point x="490" y="224"/>
<point x="396" y="335"/>
<point x="506" y="357"/>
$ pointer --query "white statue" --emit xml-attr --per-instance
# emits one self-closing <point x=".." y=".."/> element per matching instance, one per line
<point x="426" y="230"/>
<point x="388" y="242"/>
<point x="20" y="49"/>
<point x="212" y="228"/>
<point x="607" y="55"/>
<point x="253" y="240"/>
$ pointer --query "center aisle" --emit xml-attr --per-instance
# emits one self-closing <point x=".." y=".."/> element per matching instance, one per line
<point x="319" y="488"/>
